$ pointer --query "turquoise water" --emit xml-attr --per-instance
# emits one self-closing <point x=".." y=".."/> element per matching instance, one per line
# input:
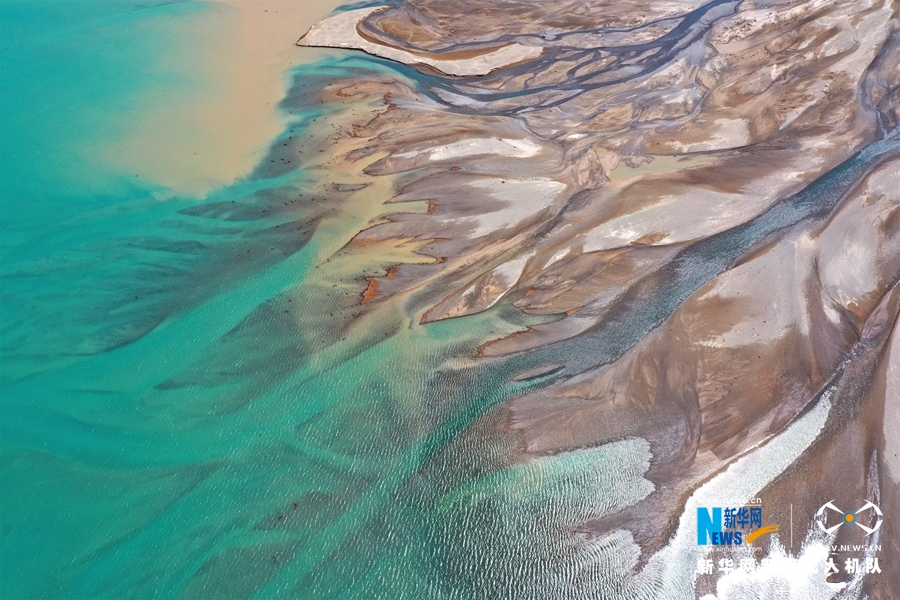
<point x="180" y="414"/>
<point x="75" y="75"/>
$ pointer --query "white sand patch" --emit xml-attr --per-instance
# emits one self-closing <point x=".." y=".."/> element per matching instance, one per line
<point x="513" y="148"/>
<point x="458" y="99"/>
<point x="679" y="217"/>
<point x="503" y="278"/>
<point x="729" y="133"/>
<point x="848" y="272"/>
<point x="340" y="31"/>
<point x="749" y="23"/>
<point x="560" y="254"/>
<point x="833" y="315"/>
<point x="519" y="199"/>
<point x="671" y="572"/>
<point x="842" y="42"/>
<point x="852" y="249"/>
<point x="783" y="307"/>
<point x="696" y="214"/>
<point x="892" y="409"/>
<point x="509" y="272"/>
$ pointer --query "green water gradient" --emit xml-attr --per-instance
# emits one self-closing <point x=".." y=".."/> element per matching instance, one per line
<point x="190" y="405"/>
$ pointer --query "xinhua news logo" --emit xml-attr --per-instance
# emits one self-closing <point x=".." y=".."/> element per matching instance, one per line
<point x="731" y="526"/>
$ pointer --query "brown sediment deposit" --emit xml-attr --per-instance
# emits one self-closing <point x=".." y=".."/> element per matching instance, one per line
<point x="371" y="291"/>
<point x="342" y="30"/>
<point x="596" y="183"/>
<point x="193" y="142"/>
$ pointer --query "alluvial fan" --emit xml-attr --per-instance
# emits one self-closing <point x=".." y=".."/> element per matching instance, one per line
<point x="519" y="289"/>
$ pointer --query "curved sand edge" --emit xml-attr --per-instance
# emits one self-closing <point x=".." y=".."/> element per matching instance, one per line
<point x="340" y="31"/>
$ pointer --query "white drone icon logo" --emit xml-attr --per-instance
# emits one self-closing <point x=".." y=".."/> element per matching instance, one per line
<point x="848" y="518"/>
